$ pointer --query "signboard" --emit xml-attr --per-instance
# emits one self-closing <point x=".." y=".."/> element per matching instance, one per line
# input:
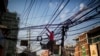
<point x="24" y="42"/>
<point x="93" y="50"/>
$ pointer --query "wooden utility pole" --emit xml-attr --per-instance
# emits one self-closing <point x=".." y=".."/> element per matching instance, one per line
<point x="64" y="29"/>
<point x="62" y="43"/>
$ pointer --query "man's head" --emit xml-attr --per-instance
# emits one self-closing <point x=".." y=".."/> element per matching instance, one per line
<point x="52" y="31"/>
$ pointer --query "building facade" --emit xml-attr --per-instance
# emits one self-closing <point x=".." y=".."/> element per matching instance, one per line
<point x="88" y="44"/>
<point x="82" y="46"/>
<point x="94" y="41"/>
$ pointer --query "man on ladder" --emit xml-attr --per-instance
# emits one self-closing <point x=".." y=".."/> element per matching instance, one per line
<point x="51" y="40"/>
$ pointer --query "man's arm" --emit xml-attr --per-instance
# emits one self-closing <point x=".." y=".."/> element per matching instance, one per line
<point x="47" y="29"/>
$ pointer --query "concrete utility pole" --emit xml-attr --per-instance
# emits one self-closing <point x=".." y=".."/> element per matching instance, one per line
<point x="64" y="29"/>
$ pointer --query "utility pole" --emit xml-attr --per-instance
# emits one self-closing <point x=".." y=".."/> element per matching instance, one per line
<point x="29" y="33"/>
<point x="64" y="29"/>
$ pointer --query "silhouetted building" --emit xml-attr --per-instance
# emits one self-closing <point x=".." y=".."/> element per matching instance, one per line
<point x="11" y="21"/>
<point x="3" y="9"/>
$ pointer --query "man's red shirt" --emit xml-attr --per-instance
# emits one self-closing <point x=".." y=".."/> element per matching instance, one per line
<point x="51" y="37"/>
